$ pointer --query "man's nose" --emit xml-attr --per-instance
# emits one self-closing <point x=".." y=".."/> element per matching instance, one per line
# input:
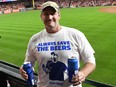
<point x="50" y="16"/>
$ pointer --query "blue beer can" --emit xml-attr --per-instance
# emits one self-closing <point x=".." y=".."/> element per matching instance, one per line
<point x="29" y="70"/>
<point x="72" y="67"/>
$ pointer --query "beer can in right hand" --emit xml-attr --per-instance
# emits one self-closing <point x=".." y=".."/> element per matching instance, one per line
<point x="28" y="68"/>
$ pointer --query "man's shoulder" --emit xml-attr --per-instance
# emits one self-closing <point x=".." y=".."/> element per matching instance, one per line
<point x="71" y="30"/>
<point x="38" y="35"/>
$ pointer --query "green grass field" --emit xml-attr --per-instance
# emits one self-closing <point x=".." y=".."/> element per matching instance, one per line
<point x="100" y="29"/>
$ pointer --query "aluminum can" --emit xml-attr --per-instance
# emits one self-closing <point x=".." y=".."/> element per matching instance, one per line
<point x="29" y="70"/>
<point x="72" y="67"/>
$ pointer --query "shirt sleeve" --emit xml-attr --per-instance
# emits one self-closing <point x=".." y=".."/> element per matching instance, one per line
<point x="85" y="49"/>
<point x="29" y="56"/>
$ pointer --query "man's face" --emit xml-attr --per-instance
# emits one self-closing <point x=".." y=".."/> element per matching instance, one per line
<point x="54" y="57"/>
<point x="50" y="18"/>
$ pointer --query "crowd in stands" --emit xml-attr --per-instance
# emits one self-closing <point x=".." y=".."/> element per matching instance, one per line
<point x="6" y="8"/>
<point x="79" y="3"/>
<point x="19" y="6"/>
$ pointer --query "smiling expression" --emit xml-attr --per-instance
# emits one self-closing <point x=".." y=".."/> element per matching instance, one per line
<point x="50" y="18"/>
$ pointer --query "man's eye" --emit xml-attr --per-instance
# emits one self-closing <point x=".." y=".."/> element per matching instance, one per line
<point x="46" y="14"/>
<point x="52" y="13"/>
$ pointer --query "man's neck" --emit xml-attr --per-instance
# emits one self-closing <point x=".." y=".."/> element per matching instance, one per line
<point x="54" y="30"/>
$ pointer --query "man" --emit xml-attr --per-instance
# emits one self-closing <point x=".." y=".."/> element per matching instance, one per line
<point x="55" y="68"/>
<point x="62" y="42"/>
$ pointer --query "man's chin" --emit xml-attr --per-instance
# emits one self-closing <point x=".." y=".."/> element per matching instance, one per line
<point x="50" y="27"/>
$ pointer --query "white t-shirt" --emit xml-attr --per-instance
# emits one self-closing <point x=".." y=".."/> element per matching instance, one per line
<point x="52" y="52"/>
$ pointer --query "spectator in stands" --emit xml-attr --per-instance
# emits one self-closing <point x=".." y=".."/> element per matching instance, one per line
<point x="52" y="47"/>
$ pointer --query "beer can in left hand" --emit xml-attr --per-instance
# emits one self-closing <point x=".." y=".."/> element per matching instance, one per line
<point x="29" y="70"/>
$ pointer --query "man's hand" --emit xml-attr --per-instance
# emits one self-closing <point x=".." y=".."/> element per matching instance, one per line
<point x="23" y="73"/>
<point x="83" y="73"/>
<point x="78" y="78"/>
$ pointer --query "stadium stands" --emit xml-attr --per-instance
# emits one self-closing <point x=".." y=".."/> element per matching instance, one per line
<point x="11" y="7"/>
<point x="23" y="5"/>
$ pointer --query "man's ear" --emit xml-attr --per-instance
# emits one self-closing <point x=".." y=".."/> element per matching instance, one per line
<point x="41" y="16"/>
<point x="59" y="15"/>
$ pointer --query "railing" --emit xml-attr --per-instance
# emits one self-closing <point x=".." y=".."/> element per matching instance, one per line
<point x="9" y="73"/>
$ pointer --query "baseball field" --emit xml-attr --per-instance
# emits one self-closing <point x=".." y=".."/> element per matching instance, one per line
<point x="98" y="26"/>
